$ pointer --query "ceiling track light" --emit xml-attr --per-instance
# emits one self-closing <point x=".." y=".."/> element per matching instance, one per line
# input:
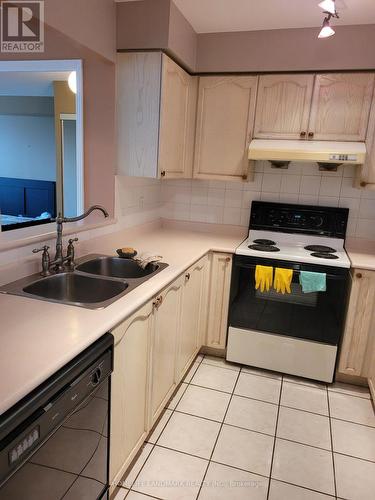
<point x="329" y="8"/>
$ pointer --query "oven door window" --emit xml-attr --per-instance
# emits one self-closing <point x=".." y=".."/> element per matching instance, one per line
<point x="72" y="463"/>
<point x="316" y="316"/>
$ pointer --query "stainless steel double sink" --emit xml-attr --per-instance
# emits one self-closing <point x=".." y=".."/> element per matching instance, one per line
<point x="97" y="281"/>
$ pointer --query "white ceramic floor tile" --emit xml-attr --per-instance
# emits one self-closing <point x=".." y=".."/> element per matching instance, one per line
<point x="252" y="414"/>
<point x="350" y="390"/>
<point x="262" y="388"/>
<point x="304" y="381"/>
<point x="222" y="362"/>
<point x="121" y="494"/>
<point x="190" y="374"/>
<point x="351" y="408"/>
<point x="214" y="377"/>
<point x="193" y="435"/>
<point x="303" y="466"/>
<point x="176" y="398"/>
<point x="171" y="475"/>
<point x="159" y="427"/>
<point x="225" y="483"/>
<point x="303" y="427"/>
<point x="244" y="449"/>
<point x="355" y="479"/>
<point x="303" y="397"/>
<point x="130" y="478"/>
<point x="284" y="491"/>
<point x="203" y="402"/>
<point x="353" y="439"/>
<point x="260" y="372"/>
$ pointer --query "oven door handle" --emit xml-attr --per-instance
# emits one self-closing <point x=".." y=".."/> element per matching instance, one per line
<point x="295" y="271"/>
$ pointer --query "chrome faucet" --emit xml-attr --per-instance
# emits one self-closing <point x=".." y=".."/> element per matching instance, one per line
<point x="60" y="260"/>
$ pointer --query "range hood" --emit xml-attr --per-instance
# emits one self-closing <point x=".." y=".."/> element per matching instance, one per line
<point x="322" y="152"/>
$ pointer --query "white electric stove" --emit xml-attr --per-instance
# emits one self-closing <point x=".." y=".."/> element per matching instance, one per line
<point x="296" y="333"/>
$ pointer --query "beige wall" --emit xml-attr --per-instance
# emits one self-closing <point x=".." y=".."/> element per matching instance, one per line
<point x="85" y="29"/>
<point x="287" y="50"/>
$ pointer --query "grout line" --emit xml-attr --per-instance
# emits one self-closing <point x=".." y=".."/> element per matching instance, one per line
<point x="274" y="439"/>
<point x="331" y="436"/>
<point x="352" y="422"/>
<point x="218" y="435"/>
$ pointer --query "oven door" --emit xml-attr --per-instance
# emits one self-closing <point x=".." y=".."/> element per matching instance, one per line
<point x="317" y="316"/>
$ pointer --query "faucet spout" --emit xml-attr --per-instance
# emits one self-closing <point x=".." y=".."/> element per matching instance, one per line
<point x="84" y="215"/>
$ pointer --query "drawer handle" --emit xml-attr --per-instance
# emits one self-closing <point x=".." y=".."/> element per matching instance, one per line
<point x="302" y="135"/>
<point x="359" y="275"/>
<point x="311" y="135"/>
<point x="227" y="259"/>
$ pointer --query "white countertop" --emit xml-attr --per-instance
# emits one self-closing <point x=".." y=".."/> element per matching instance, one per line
<point x="361" y="253"/>
<point x="37" y="337"/>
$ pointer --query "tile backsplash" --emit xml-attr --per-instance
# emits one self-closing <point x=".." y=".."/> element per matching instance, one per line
<point x="229" y="202"/>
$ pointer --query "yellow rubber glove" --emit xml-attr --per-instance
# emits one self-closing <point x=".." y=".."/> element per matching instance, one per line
<point x="263" y="277"/>
<point x="283" y="280"/>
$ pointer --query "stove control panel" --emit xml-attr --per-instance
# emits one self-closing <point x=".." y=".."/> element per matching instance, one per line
<point x="306" y="219"/>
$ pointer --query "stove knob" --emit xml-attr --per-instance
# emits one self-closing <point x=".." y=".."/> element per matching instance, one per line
<point x="96" y="376"/>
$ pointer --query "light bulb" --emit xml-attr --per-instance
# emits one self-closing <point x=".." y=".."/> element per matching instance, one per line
<point x="326" y="30"/>
<point x="72" y="82"/>
<point x="328" y="6"/>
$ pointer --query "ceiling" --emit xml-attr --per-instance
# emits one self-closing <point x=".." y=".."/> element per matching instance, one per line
<point x="210" y="16"/>
<point x="30" y="83"/>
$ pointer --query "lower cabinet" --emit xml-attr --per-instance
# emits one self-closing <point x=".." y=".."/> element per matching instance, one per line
<point x="165" y="337"/>
<point x="130" y="390"/>
<point x="155" y="347"/>
<point x="356" y="354"/>
<point x="218" y="300"/>
<point x="193" y="314"/>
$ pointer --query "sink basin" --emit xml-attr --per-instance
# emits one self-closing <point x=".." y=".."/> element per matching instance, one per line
<point x="77" y="289"/>
<point x="115" y="267"/>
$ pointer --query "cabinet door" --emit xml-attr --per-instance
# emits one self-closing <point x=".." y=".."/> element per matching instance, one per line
<point x="341" y="106"/>
<point x="130" y="390"/>
<point x="366" y="172"/>
<point x="225" y="116"/>
<point x="194" y="308"/>
<point x="359" y="323"/>
<point x="138" y="103"/>
<point x="221" y="269"/>
<point x="164" y="346"/>
<point x="177" y="121"/>
<point x="283" y="106"/>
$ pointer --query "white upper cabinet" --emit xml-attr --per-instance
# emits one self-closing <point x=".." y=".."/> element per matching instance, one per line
<point x="156" y="103"/>
<point x="177" y="121"/>
<point x="341" y="106"/>
<point x="283" y="106"/>
<point x="225" y="118"/>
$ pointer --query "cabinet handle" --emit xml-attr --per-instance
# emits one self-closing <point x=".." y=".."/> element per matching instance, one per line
<point x="363" y="184"/>
<point x="302" y="135"/>
<point x="160" y="300"/>
<point x="244" y="177"/>
<point x="311" y="135"/>
<point x="227" y="259"/>
<point x="187" y="276"/>
<point x="162" y="173"/>
<point x="358" y="275"/>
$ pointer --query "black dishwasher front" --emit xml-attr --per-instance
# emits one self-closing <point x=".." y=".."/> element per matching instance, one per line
<point x="54" y="444"/>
